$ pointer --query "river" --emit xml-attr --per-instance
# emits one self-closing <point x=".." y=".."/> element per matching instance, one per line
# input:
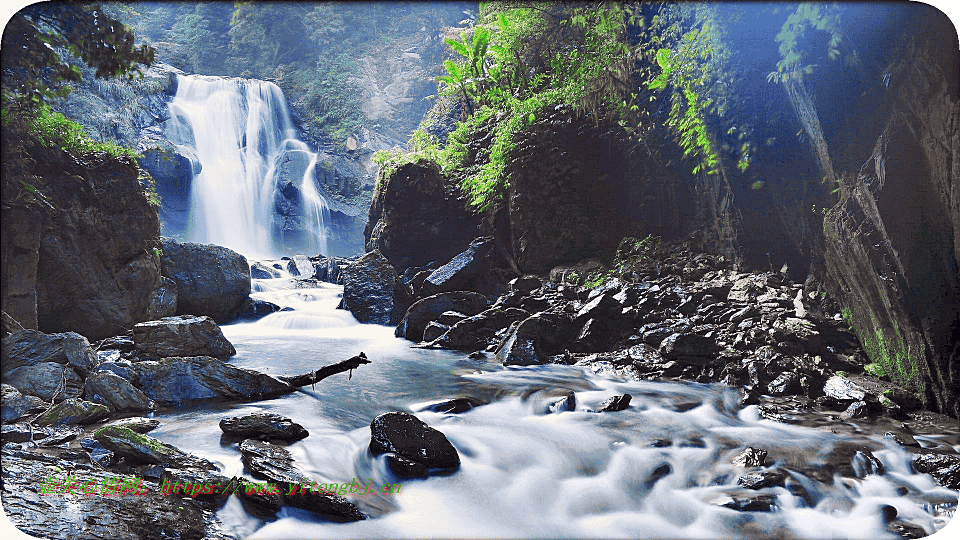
<point x="660" y="469"/>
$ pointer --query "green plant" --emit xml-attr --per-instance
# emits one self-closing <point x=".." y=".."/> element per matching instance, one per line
<point x="55" y="129"/>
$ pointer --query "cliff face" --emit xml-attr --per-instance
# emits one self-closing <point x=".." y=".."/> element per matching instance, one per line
<point x="893" y="242"/>
<point x="88" y="256"/>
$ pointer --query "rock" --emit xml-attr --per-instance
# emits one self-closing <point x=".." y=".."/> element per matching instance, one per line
<point x="163" y="303"/>
<point x="409" y="437"/>
<point x="525" y="284"/>
<point x="688" y="347"/>
<point x="534" y="339"/>
<point x="478" y="331"/>
<point x="138" y="424"/>
<point x="211" y="280"/>
<point x="417" y="216"/>
<point x="786" y="384"/>
<point x="748" y="503"/>
<point x="599" y="334"/>
<point x="253" y="309"/>
<point x="471" y="270"/>
<point x="258" y="270"/>
<point x="184" y="335"/>
<point x="434" y="330"/>
<point x="402" y="467"/>
<point x="30" y="347"/>
<point x="455" y="405"/>
<point x="175" y="380"/>
<point x="750" y="457"/>
<point x="261" y="503"/>
<point x="842" y="388"/>
<point x="614" y="404"/>
<point x="16" y="405"/>
<point x="430" y="308"/>
<point x="656" y="335"/>
<point x="139" y="448"/>
<point x="24" y="432"/>
<point x="600" y="307"/>
<point x="73" y="411"/>
<point x="116" y="393"/>
<point x="45" y="380"/>
<point x="760" y="480"/>
<point x="274" y="463"/>
<point x="945" y="468"/>
<point x="373" y="291"/>
<point x="263" y="426"/>
<point x="566" y="403"/>
<point x="98" y="454"/>
<point x="302" y="267"/>
<point x="193" y="482"/>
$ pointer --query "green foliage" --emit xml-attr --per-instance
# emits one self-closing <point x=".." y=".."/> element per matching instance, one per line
<point x="793" y="40"/>
<point x="55" y="129"/>
<point x="875" y="369"/>
<point x="631" y="253"/>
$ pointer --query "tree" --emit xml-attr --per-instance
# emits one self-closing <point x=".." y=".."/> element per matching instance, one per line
<point x="33" y="70"/>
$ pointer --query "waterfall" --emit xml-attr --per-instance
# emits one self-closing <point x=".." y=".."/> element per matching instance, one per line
<point x="255" y="190"/>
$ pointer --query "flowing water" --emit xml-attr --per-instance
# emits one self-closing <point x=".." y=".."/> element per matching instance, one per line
<point x="247" y="148"/>
<point x="656" y="470"/>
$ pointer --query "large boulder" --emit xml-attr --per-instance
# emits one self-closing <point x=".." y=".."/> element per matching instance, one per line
<point x="112" y="390"/>
<point x="263" y="426"/>
<point x="535" y="339"/>
<point x="211" y="280"/>
<point x="470" y="270"/>
<point x="417" y="216"/>
<point x="30" y="347"/>
<point x="184" y="335"/>
<point x="73" y="411"/>
<point x="46" y="380"/>
<point x="479" y="331"/>
<point x="15" y="404"/>
<point x="373" y="291"/>
<point x="174" y="380"/>
<point x="172" y="168"/>
<point x="428" y="309"/>
<point x="140" y="448"/>
<point x="408" y="437"/>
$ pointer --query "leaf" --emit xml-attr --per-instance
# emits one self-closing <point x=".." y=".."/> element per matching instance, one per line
<point x="458" y="47"/>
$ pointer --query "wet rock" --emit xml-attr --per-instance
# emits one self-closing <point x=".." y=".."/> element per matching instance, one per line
<point x="373" y="291"/>
<point x="30" y="347"/>
<point x="211" y="280"/>
<point x="478" y="331"/>
<point x="207" y="486"/>
<point x="689" y="348"/>
<point x="253" y="309"/>
<point x="748" y="503"/>
<point x="566" y="403"/>
<point x="45" y="380"/>
<point x="599" y="334"/>
<point x="73" y="411"/>
<point x="945" y="468"/>
<point x="300" y="266"/>
<point x="615" y="403"/>
<point x="184" y="335"/>
<point x="857" y="409"/>
<point x="430" y="308"/>
<point x="263" y="426"/>
<point x="261" y="503"/>
<point x="139" y="448"/>
<point x="163" y="301"/>
<point x="525" y="284"/>
<point x="402" y="467"/>
<point x="434" y="330"/>
<point x="760" y="480"/>
<point x="116" y="393"/>
<point x="750" y="457"/>
<point x="786" y="384"/>
<point x="176" y="380"/>
<point x="16" y="405"/>
<point x="655" y="336"/>
<point x="906" y="529"/>
<point x="138" y="424"/>
<point x="98" y="454"/>
<point x="532" y="340"/>
<point x="471" y="270"/>
<point x="455" y="405"/>
<point x="258" y="270"/>
<point x="409" y="437"/>
<point x="602" y="306"/>
<point x="902" y="438"/>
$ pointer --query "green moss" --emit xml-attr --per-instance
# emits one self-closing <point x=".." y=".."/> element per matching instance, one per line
<point x="135" y="438"/>
<point x="875" y="369"/>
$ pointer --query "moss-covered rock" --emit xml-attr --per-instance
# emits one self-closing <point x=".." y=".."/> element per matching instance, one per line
<point x="73" y="411"/>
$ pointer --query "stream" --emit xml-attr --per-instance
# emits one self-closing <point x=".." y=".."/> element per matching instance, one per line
<point x="662" y="468"/>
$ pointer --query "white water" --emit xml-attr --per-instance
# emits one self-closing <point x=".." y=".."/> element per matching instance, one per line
<point x="525" y="473"/>
<point x="241" y="132"/>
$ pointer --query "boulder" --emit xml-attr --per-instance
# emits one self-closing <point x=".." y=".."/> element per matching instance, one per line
<point x="945" y="468"/>
<point x="258" y="270"/>
<point x="254" y="308"/>
<point x="614" y="404"/>
<point x="73" y="411"/>
<point x="428" y="309"/>
<point x="534" y="339"/>
<point x="688" y="347"/>
<point x="417" y="216"/>
<point x="15" y="404"/>
<point x="478" y="331"/>
<point x="175" y="380"/>
<point x="116" y="393"/>
<point x="139" y="424"/>
<point x="455" y="405"/>
<point x="470" y="270"/>
<point x="30" y="347"/>
<point x="211" y="280"/>
<point x="139" y="448"/>
<point x="263" y="426"/>
<point x="409" y="437"/>
<point x="373" y="291"/>
<point x="46" y="380"/>
<point x="184" y="335"/>
<point x="163" y="303"/>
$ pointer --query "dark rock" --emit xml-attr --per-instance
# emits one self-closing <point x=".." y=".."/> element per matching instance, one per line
<point x="138" y="424"/>
<point x="176" y="380"/>
<point x="42" y="436"/>
<point x="140" y="448"/>
<point x="945" y="468"/>
<point x="254" y="308"/>
<point x="434" y="330"/>
<point x="749" y="503"/>
<point x="46" y="381"/>
<point x="615" y="403"/>
<point x="163" y="303"/>
<point x="902" y="438"/>
<point x="119" y="343"/>
<point x="599" y="334"/>
<point x="193" y="483"/>
<point x="471" y="270"/>
<point x="373" y="291"/>
<point x="525" y="284"/>
<point x="409" y="437"/>
<point x="786" y="384"/>
<point x="402" y="467"/>
<point x="750" y="457"/>
<point x="16" y="405"/>
<point x="655" y="336"/>
<point x="600" y="307"/>
<point x="258" y="270"/>
<point x="566" y="403"/>
<point x="906" y="529"/>
<point x="430" y="308"/>
<point x="261" y="503"/>
<point x="532" y="340"/>
<point x="211" y="280"/>
<point x="30" y="347"/>
<point x="417" y="216"/>
<point x="185" y="335"/>
<point x="688" y="347"/>
<point x="263" y="426"/>
<point x="455" y="405"/>
<point x="760" y="480"/>
<point x="98" y="454"/>
<point x="116" y="393"/>
<point x="478" y="331"/>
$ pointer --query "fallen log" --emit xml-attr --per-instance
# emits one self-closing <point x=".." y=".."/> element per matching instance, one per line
<point x="312" y="378"/>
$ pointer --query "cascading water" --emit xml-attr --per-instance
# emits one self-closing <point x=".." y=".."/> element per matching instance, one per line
<point x="255" y="191"/>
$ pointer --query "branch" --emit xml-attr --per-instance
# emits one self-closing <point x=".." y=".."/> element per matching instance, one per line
<point x="326" y="371"/>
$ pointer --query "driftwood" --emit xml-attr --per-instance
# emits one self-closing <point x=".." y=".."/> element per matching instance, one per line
<point x="312" y="378"/>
